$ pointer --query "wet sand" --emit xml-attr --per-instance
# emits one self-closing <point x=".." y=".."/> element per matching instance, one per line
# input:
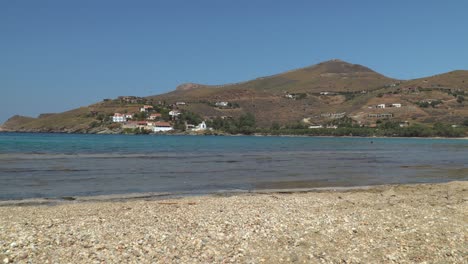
<point x="384" y="224"/>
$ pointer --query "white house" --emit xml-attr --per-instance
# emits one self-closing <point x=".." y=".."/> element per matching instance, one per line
<point x="200" y="127"/>
<point x="174" y="113"/>
<point x="324" y="93"/>
<point x="316" y="126"/>
<point x="118" y="118"/>
<point x="381" y="106"/>
<point x="162" y="127"/>
<point x="222" y="104"/>
<point x="180" y="103"/>
<point x="396" y="105"/>
<point x="129" y="116"/>
<point x="154" y="116"/>
<point x="146" y="108"/>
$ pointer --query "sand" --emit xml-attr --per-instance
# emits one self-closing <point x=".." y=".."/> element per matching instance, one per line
<point x="426" y="223"/>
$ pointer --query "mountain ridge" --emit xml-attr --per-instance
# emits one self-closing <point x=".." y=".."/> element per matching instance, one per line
<point x="333" y="66"/>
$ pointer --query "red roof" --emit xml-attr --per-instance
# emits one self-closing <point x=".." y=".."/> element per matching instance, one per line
<point x="162" y="124"/>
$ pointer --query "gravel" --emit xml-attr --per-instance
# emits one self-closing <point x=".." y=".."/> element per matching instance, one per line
<point x="426" y="223"/>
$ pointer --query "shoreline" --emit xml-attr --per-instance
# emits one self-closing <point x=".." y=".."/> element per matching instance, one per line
<point x="153" y="196"/>
<point x="220" y="135"/>
<point x="385" y="224"/>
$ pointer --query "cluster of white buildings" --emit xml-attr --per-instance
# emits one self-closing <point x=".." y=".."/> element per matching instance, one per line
<point x="397" y="105"/>
<point x="200" y="127"/>
<point x="152" y="123"/>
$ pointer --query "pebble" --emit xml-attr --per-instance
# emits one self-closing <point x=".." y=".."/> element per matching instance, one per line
<point x="298" y="227"/>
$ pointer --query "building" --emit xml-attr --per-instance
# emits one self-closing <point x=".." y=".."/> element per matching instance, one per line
<point x="136" y="124"/>
<point x="315" y="126"/>
<point x="146" y="108"/>
<point x="333" y="115"/>
<point x="119" y="118"/>
<point x="396" y="105"/>
<point x="380" y="115"/>
<point x="154" y="116"/>
<point x="174" y="113"/>
<point x="221" y="104"/>
<point x="162" y="127"/>
<point x="201" y="127"/>
<point x="381" y="106"/>
<point x="129" y="116"/>
<point x="180" y="103"/>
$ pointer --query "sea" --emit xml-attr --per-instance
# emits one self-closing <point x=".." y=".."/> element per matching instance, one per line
<point x="36" y="165"/>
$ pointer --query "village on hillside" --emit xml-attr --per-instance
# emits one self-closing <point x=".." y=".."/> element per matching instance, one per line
<point x="160" y="117"/>
<point x="155" y="119"/>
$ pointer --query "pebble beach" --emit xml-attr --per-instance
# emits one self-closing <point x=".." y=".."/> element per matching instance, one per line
<point x="421" y="223"/>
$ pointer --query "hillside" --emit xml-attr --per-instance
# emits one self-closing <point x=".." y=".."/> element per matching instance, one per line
<point x="452" y="80"/>
<point x="266" y="96"/>
<point x="331" y="76"/>
<point x="315" y="94"/>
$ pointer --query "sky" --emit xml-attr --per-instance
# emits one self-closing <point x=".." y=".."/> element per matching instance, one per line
<point x="63" y="54"/>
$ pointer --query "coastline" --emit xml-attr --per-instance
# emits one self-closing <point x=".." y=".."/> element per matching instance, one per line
<point x="220" y="135"/>
<point x="161" y="196"/>
<point x="147" y="196"/>
<point x="391" y="223"/>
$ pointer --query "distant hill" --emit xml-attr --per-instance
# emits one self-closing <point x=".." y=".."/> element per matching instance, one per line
<point x="451" y="80"/>
<point x="332" y="76"/>
<point x="16" y="122"/>
<point x="313" y="94"/>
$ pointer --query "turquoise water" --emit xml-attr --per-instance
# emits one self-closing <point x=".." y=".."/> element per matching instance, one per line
<point x="56" y="165"/>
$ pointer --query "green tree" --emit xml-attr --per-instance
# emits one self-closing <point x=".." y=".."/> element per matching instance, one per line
<point x="190" y="117"/>
<point x="465" y="122"/>
<point x="247" y="120"/>
<point x="389" y="125"/>
<point x="275" y="126"/>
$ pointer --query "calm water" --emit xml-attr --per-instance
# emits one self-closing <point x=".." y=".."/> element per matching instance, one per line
<point x="56" y="165"/>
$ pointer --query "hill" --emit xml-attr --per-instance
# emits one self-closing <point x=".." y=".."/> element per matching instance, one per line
<point x="332" y="76"/>
<point x="272" y="98"/>
<point x="317" y="94"/>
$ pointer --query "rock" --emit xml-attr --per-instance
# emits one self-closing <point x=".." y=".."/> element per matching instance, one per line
<point x="6" y="260"/>
<point x="22" y="256"/>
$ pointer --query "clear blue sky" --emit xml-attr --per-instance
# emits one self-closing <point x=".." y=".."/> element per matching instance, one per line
<point x="59" y="55"/>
